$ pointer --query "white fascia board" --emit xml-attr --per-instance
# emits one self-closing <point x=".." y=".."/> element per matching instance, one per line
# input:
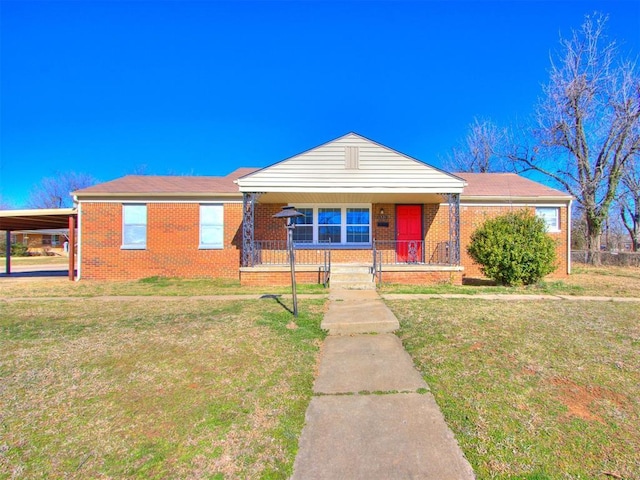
<point x="265" y="189"/>
<point x="37" y="212"/>
<point x="177" y="200"/>
<point x="105" y="196"/>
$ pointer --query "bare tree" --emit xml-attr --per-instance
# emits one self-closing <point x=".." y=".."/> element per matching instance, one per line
<point x="588" y="123"/>
<point x="480" y="151"/>
<point x="630" y="201"/>
<point x="54" y="192"/>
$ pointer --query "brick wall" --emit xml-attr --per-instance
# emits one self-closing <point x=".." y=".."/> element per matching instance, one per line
<point x="173" y="236"/>
<point x="473" y="216"/>
<point x="172" y="243"/>
<point x="265" y="278"/>
<point x="265" y="226"/>
<point x="422" y="277"/>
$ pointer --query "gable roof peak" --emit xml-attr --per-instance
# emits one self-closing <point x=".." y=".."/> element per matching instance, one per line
<point x="351" y="163"/>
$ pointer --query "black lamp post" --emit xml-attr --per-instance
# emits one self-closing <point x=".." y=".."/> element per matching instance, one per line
<point x="289" y="213"/>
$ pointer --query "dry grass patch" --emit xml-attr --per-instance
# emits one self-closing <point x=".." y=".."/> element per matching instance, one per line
<point x="38" y="260"/>
<point x="584" y="281"/>
<point x="606" y="281"/>
<point x="185" y="389"/>
<point x="533" y="389"/>
<point x="153" y="286"/>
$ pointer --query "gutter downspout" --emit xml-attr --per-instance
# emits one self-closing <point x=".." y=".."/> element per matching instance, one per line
<point x="79" y="238"/>
<point x="71" y="250"/>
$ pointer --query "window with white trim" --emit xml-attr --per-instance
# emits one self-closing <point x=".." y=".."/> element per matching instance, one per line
<point x="329" y="225"/>
<point x="303" y="233"/>
<point x="134" y="226"/>
<point x="337" y="225"/>
<point x="551" y="217"/>
<point x="211" y="226"/>
<point x="358" y="229"/>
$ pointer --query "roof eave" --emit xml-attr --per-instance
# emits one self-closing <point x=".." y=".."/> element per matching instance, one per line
<point x="38" y="212"/>
<point x="111" y="196"/>
<point x="515" y="198"/>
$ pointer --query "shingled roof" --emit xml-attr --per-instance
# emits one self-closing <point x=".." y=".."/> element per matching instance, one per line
<point x="507" y="186"/>
<point x="481" y="186"/>
<point x="153" y="185"/>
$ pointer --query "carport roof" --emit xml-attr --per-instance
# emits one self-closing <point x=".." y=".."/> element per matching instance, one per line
<point x="37" y="219"/>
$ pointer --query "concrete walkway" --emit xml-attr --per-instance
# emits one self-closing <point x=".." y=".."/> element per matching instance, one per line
<point x="372" y="416"/>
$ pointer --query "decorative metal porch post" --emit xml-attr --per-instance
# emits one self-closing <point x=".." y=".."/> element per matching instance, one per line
<point x="248" y="215"/>
<point x="454" y="228"/>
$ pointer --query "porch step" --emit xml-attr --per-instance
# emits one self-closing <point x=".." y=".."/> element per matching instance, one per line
<point x="350" y="268"/>
<point x="352" y="277"/>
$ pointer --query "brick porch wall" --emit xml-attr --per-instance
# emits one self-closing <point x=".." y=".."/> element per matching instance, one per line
<point x="265" y="278"/>
<point x="172" y="244"/>
<point x="423" y="277"/>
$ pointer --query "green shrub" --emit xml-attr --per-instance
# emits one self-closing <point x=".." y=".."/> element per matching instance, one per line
<point x="19" y="250"/>
<point x="514" y="249"/>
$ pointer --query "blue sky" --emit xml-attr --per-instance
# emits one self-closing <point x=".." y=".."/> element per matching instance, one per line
<point x="201" y="88"/>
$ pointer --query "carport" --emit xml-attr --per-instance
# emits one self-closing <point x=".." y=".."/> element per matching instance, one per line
<point x="40" y="219"/>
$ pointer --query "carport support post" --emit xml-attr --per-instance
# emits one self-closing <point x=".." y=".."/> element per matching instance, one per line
<point x="8" y="256"/>
<point x="72" y="248"/>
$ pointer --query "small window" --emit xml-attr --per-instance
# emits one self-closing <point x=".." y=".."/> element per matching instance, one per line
<point x="134" y="226"/>
<point x="211" y="226"/>
<point x="303" y="233"/>
<point x="55" y="240"/>
<point x="551" y="217"/>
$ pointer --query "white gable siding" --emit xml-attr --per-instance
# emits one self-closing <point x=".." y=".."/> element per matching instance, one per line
<point x="323" y="169"/>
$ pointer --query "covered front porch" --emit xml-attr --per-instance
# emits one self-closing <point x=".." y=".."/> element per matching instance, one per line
<point x="361" y="203"/>
<point x="398" y="243"/>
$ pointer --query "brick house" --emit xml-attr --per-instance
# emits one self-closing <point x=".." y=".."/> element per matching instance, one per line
<point x="38" y="242"/>
<point x="361" y="203"/>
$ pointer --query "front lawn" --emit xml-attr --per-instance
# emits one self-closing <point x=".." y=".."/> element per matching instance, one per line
<point x="584" y="281"/>
<point x="535" y="389"/>
<point x="63" y="261"/>
<point x="152" y="286"/>
<point x="147" y="389"/>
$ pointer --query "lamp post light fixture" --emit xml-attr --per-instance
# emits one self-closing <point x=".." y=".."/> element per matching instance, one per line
<point x="289" y="213"/>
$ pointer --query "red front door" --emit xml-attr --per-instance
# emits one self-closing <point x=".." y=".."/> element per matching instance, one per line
<point x="409" y="233"/>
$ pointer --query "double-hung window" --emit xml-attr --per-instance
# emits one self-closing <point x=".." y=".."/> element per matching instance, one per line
<point x="335" y="225"/>
<point x="211" y="226"/>
<point x="551" y="217"/>
<point x="303" y="233"/>
<point x="329" y="223"/>
<point x="358" y="225"/>
<point x="134" y="226"/>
